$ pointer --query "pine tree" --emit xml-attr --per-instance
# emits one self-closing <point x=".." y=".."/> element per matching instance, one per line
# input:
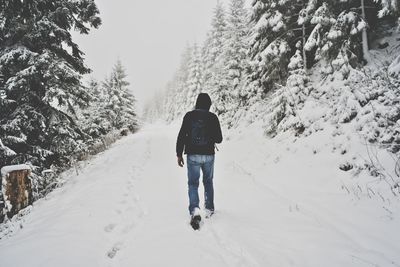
<point x="235" y="61"/>
<point x="343" y="44"/>
<point x="318" y="18"/>
<point x="335" y="32"/>
<point x="194" y="79"/>
<point x="236" y="46"/>
<point x="298" y="79"/>
<point x="389" y="7"/>
<point x="213" y="49"/>
<point x="121" y="102"/>
<point x="95" y="120"/>
<point x="177" y="100"/>
<point x="41" y="70"/>
<point x="272" y="22"/>
<point x="216" y="37"/>
<point x="288" y="100"/>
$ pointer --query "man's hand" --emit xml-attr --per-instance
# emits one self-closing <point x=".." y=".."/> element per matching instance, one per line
<point x="181" y="162"/>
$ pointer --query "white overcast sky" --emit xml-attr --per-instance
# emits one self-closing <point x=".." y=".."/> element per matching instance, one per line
<point x="148" y="37"/>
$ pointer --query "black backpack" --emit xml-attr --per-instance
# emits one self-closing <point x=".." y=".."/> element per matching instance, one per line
<point x="199" y="132"/>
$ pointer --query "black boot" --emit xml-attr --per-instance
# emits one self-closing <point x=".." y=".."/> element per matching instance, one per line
<point x="196" y="219"/>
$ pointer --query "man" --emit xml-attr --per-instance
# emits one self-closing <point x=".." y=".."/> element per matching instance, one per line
<point x="199" y="132"/>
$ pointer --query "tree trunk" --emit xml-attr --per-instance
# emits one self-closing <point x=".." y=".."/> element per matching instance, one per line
<point x="304" y="41"/>
<point x="364" y="34"/>
<point x="304" y="47"/>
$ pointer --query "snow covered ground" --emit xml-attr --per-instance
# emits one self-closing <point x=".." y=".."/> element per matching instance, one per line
<point x="278" y="203"/>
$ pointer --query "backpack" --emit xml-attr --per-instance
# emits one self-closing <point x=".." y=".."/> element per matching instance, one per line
<point x="199" y="133"/>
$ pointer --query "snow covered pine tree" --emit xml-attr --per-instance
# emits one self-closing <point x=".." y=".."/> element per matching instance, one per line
<point x="121" y="102"/>
<point x="212" y="54"/>
<point x="41" y="68"/>
<point x="235" y="63"/>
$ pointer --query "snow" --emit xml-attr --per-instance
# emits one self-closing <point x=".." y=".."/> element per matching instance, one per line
<point x="334" y="34"/>
<point x="276" y="22"/>
<point x="7" y="151"/>
<point x="7" y="169"/>
<point x="394" y="67"/>
<point x="314" y="38"/>
<point x="273" y="21"/>
<point x="279" y="202"/>
<point x="296" y="62"/>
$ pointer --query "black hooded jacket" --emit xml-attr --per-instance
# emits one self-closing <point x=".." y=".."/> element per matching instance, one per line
<point x="211" y="124"/>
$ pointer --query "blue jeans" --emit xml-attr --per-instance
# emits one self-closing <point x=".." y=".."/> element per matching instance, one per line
<point x="206" y="164"/>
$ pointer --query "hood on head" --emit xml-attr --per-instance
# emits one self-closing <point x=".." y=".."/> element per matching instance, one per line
<point x="203" y="101"/>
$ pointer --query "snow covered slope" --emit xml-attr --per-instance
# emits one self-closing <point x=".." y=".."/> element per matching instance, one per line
<point x="278" y="204"/>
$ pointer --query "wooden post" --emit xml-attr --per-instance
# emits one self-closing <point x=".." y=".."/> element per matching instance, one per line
<point x="16" y="189"/>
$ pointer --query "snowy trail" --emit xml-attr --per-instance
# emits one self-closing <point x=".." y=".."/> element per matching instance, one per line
<point x="129" y="208"/>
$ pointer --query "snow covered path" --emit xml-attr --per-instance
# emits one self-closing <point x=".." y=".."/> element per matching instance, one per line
<point x="275" y="207"/>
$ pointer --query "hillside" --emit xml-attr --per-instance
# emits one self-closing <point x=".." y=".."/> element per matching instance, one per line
<point x="277" y="204"/>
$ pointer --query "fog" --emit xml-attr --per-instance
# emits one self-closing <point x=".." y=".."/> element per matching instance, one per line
<point x="147" y="36"/>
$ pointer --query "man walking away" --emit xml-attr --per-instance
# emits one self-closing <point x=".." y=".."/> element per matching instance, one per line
<point x="199" y="132"/>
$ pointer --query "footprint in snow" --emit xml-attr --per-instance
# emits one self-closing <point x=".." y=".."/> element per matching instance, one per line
<point x="113" y="251"/>
<point x="128" y="228"/>
<point x="110" y="227"/>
